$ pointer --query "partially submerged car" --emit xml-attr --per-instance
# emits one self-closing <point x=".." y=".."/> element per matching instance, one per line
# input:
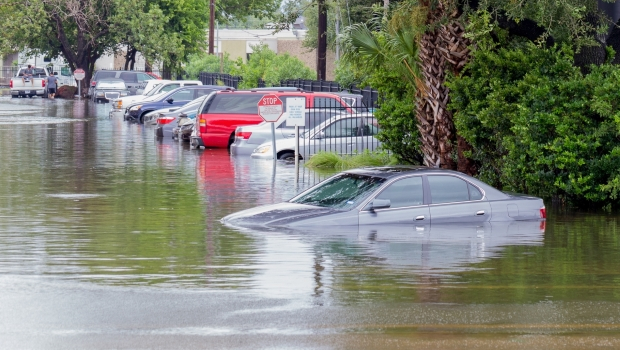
<point x="343" y="134"/>
<point x="394" y="195"/>
<point x="106" y="90"/>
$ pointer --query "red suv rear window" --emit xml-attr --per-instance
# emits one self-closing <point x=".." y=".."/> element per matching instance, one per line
<point x="234" y="103"/>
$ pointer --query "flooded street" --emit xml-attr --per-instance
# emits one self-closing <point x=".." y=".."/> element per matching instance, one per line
<point x="110" y="239"/>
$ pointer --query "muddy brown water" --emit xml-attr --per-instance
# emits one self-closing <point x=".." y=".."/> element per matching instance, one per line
<point x="111" y="239"/>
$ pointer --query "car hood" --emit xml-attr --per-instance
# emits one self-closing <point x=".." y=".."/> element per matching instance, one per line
<point x="281" y="214"/>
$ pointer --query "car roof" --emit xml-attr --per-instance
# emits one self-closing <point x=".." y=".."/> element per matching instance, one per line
<point x="115" y="80"/>
<point x="295" y="92"/>
<point x="399" y="170"/>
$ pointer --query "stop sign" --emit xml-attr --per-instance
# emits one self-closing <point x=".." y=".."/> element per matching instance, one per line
<point x="270" y="108"/>
<point x="79" y="74"/>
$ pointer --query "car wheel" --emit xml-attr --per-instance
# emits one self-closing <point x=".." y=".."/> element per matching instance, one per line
<point x="14" y="96"/>
<point x="29" y="96"/>
<point x="289" y="156"/>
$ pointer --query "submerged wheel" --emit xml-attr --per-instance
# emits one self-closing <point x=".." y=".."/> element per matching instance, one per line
<point x="287" y="156"/>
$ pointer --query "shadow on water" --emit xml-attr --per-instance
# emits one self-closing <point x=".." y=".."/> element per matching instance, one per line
<point x="98" y="217"/>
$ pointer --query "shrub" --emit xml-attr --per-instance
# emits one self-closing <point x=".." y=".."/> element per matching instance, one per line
<point x="272" y="68"/>
<point x="330" y="160"/>
<point x="207" y="63"/>
<point x="538" y="125"/>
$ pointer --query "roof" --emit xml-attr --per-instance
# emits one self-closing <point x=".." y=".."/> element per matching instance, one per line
<point x="396" y="170"/>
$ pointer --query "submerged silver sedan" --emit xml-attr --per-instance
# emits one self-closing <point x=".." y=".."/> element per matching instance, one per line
<point x="394" y="195"/>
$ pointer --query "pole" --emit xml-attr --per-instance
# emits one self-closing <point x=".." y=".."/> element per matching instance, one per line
<point x="211" y="25"/>
<point x="296" y="154"/>
<point x="321" y="52"/>
<point x="79" y="89"/>
<point x="273" y="141"/>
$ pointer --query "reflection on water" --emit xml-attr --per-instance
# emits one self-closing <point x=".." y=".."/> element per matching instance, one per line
<point x="100" y="201"/>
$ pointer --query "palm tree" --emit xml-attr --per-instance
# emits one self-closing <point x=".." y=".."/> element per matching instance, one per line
<point x="427" y="40"/>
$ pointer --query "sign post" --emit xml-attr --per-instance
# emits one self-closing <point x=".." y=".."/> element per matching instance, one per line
<point x="270" y="109"/>
<point x="79" y="75"/>
<point x="296" y="107"/>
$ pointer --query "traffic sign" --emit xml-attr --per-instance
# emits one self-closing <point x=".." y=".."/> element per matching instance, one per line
<point x="79" y="74"/>
<point x="270" y="108"/>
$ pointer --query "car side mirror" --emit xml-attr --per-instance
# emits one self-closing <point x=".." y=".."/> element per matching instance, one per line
<point x="380" y="204"/>
<point x="320" y="135"/>
<point x="170" y="100"/>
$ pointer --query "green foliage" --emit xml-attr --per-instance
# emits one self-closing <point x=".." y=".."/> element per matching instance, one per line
<point x="203" y="62"/>
<point x="330" y="160"/>
<point x="271" y="67"/>
<point x="540" y="126"/>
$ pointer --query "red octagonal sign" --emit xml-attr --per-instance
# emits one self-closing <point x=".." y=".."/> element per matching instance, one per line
<point x="270" y="108"/>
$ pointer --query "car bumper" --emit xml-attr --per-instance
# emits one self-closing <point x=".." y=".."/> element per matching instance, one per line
<point x="196" y="142"/>
<point x="28" y="92"/>
<point x="242" y="149"/>
<point x="266" y="155"/>
<point x="117" y="113"/>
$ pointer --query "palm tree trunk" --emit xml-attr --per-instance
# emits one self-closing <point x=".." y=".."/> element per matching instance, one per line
<point x="441" y="49"/>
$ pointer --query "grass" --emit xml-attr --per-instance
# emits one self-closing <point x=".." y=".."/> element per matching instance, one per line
<point x="329" y="160"/>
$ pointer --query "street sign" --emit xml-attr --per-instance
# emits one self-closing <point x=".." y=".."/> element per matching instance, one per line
<point x="270" y="108"/>
<point x="296" y="106"/>
<point x="79" y="74"/>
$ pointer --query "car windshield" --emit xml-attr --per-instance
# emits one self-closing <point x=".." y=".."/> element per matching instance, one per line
<point x="154" y="90"/>
<point x="102" y="84"/>
<point x="343" y="191"/>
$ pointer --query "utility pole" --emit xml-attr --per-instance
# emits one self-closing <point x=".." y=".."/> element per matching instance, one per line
<point x="211" y="25"/>
<point x="321" y="52"/>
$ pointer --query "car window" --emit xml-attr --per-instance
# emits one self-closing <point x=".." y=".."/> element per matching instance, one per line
<point x="144" y="77"/>
<point x="183" y="95"/>
<point x="342" y="191"/>
<point x="446" y="189"/>
<point x="105" y="75"/>
<point x="371" y="127"/>
<point x="404" y="193"/>
<point x="327" y="102"/>
<point x="169" y="87"/>
<point x="235" y="103"/>
<point x="474" y="192"/>
<point x="347" y="127"/>
<point x="201" y="92"/>
<point x="190" y="84"/>
<point x="129" y="77"/>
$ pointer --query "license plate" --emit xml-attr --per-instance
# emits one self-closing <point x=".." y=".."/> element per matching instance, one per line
<point x="27" y="91"/>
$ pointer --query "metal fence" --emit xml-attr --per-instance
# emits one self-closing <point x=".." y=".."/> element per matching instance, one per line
<point x="219" y="79"/>
<point x="345" y="131"/>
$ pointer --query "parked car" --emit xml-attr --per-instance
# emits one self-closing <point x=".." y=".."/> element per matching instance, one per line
<point x="120" y="107"/>
<point x="394" y="195"/>
<point x="150" y="85"/>
<point x="219" y="118"/>
<point x="175" y="98"/>
<point x="166" y="121"/>
<point x="344" y="134"/>
<point x="247" y="138"/>
<point x="133" y="80"/>
<point x="108" y="89"/>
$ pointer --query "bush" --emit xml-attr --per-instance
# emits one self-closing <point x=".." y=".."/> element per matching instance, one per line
<point x="330" y="160"/>
<point x="272" y="68"/>
<point x="540" y="126"/>
<point x="207" y="63"/>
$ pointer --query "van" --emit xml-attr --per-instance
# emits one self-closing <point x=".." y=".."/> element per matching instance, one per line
<point x="219" y="116"/>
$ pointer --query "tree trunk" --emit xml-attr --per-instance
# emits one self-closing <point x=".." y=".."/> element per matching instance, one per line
<point x="443" y="48"/>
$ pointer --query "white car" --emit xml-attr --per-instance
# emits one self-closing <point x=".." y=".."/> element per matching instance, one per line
<point x="121" y="106"/>
<point x="342" y="134"/>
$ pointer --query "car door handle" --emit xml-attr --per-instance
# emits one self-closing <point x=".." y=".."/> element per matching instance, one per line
<point x="420" y="217"/>
<point x="480" y="212"/>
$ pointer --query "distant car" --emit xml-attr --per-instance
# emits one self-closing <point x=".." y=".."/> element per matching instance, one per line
<point x="247" y="138"/>
<point x="133" y="80"/>
<point x="343" y="134"/>
<point x="120" y="107"/>
<point x="108" y="89"/>
<point x="394" y="195"/>
<point x="175" y="98"/>
<point x="166" y="121"/>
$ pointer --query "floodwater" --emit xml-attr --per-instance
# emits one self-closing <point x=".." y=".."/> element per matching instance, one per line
<point x="110" y="239"/>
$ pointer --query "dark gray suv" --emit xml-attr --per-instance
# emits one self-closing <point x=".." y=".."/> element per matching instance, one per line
<point x="133" y="80"/>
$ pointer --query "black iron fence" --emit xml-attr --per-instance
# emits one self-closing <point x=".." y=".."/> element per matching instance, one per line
<point x="219" y="79"/>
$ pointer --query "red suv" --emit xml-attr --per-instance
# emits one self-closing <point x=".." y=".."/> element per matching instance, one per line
<point x="219" y="116"/>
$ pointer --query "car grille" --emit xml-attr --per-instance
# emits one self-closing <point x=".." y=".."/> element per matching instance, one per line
<point x="112" y="95"/>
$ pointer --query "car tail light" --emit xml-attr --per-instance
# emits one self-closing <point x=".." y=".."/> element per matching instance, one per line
<point x="93" y="83"/>
<point x="203" y="122"/>
<point x="11" y="84"/>
<point x="543" y="213"/>
<point x="43" y="83"/>
<point x="243" y="134"/>
<point x="164" y="120"/>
